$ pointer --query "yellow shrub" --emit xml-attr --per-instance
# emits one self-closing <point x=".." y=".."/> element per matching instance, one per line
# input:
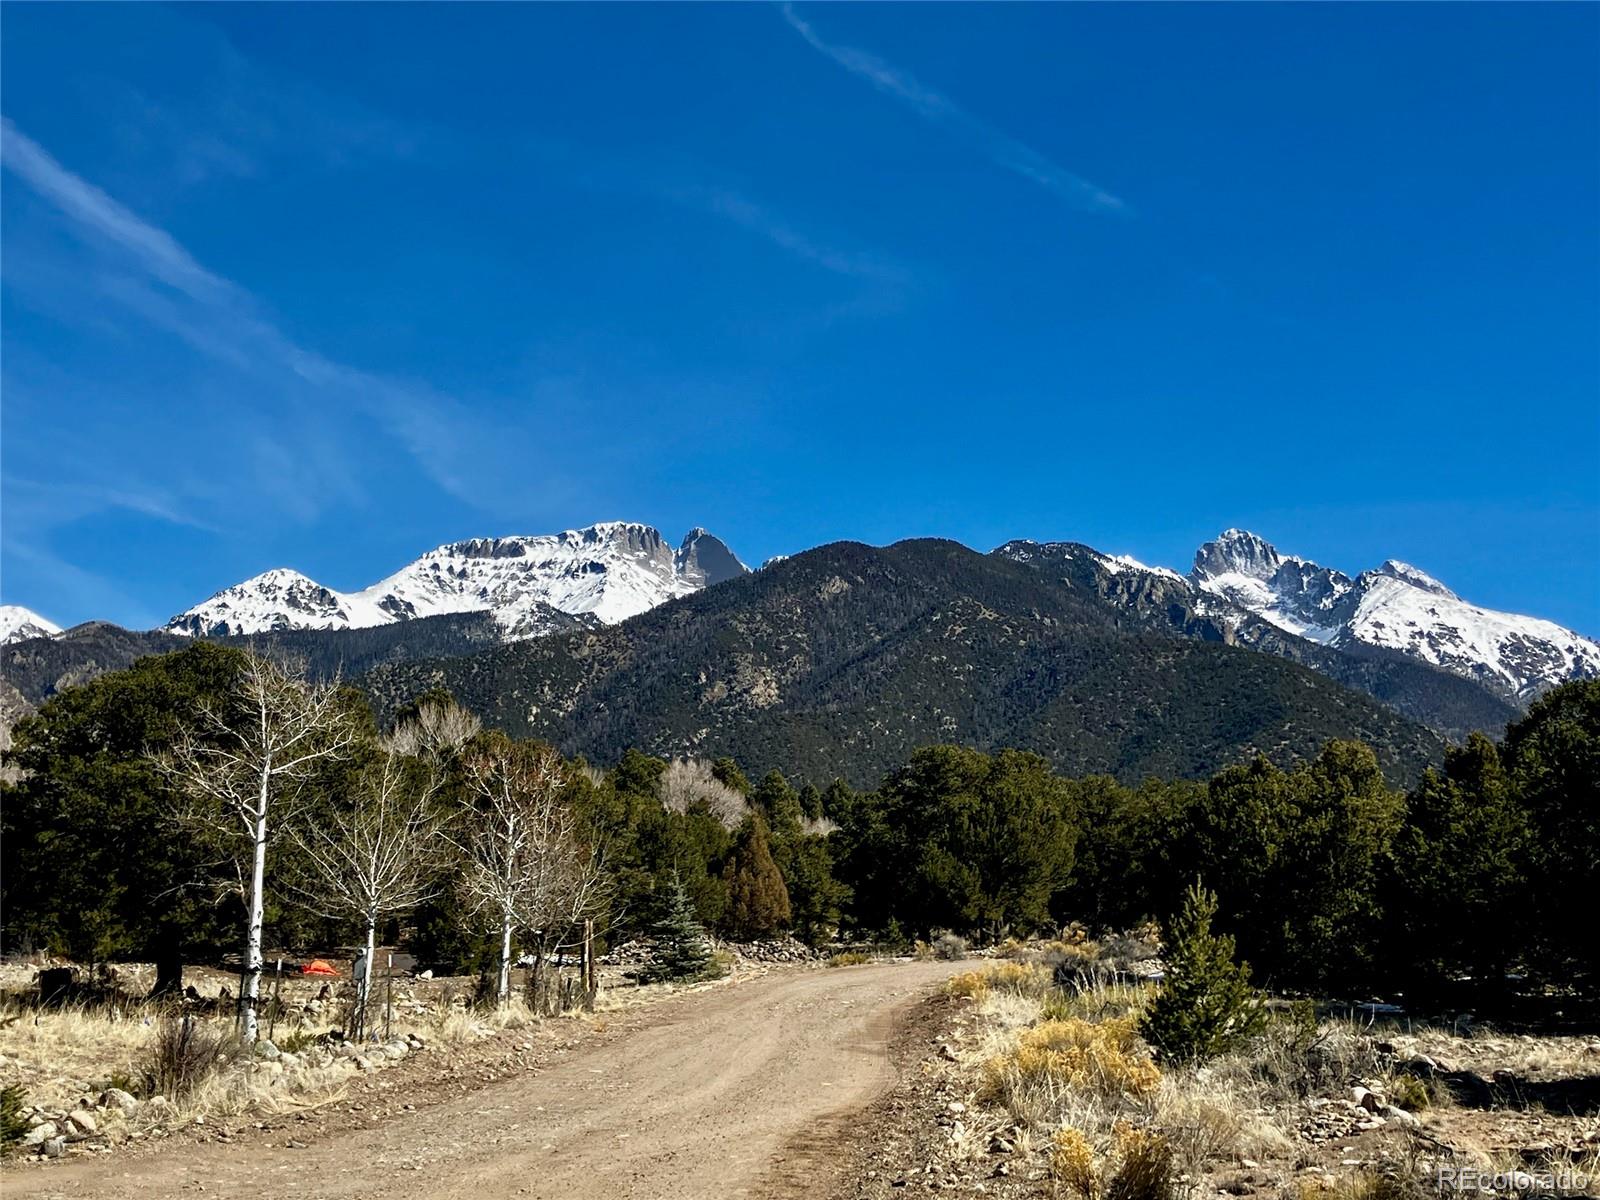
<point x="973" y="984"/>
<point x="1100" y="1058"/>
<point x="1138" y="1165"/>
<point x="848" y="958"/>
<point x="1097" y="1000"/>
<point x="1410" y="1093"/>
<point x="1025" y="979"/>
<point x="1072" y="1162"/>
<point x="1145" y="1168"/>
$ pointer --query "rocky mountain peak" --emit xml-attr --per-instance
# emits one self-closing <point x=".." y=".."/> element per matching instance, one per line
<point x="602" y="574"/>
<point x="17" y="624"/>
<point x="1237" y="552"/>
<point x="704" y="559"/>
<point x="1393" y="568"/>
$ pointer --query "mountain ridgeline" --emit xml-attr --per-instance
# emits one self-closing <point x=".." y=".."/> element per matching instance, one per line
<point x="532" y="586"/>
<point x="842" y="660"/>
<point x="1164" y="601"/>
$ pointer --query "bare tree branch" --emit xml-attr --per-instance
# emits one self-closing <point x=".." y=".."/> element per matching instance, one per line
<point x="528" y="867"/>
<point x="245" y="768"/>
<point x="375" y="857"/>
<point x="689" y="781"/>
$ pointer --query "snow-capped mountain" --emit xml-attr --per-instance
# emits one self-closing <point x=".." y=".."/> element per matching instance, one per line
<point x="18" y="623"/>
<point x="1395" y="606"/>
<point x="277" y="599"/>
<point x="1240" y="580"/>
<point x="605" y="573"/>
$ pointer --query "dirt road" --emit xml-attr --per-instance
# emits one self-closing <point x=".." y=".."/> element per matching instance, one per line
<point x="749" y="1091"/>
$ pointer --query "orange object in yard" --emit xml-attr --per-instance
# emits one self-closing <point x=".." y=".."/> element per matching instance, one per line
<point x="318" y="967"/>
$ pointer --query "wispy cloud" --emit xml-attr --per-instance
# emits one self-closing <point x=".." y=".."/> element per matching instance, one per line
<point x="223" y="321"/>
<point x="940" y="110"/>
<point x="742" y="211"/>
<point x="93" y="209"/>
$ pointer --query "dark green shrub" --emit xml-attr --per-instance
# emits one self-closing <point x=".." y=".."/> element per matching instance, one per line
<point x="1206" y="1005"/>
<point x="12" y="1123"/>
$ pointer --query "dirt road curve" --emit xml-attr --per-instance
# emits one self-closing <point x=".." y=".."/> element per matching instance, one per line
<point x="749" y="1091"/>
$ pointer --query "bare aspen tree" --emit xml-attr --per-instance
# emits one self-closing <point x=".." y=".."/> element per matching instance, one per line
<point x="246" y="764"/>
<point x="438" y="729"/>
<point x="375" y="856"/>
<point x="527" y="865"/>
<point x="689" y="781"/>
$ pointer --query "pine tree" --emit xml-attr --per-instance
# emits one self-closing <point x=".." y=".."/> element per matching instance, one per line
<point x="90" y="866"/>
<point x="1206" y="1005"/>
<point x="681" y="949"/>
<point x="12" y="1123"/>
<point x="758" y="901"/>
<point x="1553" y="756"/>
<point x="1445" y="920"/>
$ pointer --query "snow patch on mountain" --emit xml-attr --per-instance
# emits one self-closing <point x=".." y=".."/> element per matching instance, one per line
<point x="275" y="600"/>
<point x="18" y="624"/>
<point x="1396" y="606"/>
<point x="1523" y="654"/>
<point x="1115" y="564"/>
<point x="605" y="573"/>
<point x="1240" y="577"/>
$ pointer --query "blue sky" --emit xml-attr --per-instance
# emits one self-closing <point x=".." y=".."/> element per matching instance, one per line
<point x="324" y="286"/>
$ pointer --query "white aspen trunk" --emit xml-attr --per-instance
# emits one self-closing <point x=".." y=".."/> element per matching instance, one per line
<point x="365" y="994"/>
<point x="250" y="988"/>
<point x="505" y="958"/>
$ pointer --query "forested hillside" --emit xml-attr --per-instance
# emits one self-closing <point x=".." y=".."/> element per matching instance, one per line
<point x="843" y="660"/>
<point x="41" y="667"/>
<point x="1165" y="602"/>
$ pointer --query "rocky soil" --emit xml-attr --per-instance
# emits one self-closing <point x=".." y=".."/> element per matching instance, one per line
<point x="1523" y="1104"/>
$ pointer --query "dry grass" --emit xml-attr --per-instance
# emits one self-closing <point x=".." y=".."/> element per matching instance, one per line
<point x="1211" y="1119"/>
<point x="1098" y="998"/>
<point x="1364" y="1186"/>
<point x="462" y="1026"/>
<point x="1545" y="1057"/>
<point x="1059" y="1068"/>
<point x="1024" y="979"/>
<point x="1132" y="1164"/>
<point x="1068" y="1061"/>
<point x="63" y="1055"/>
<point x="849" y="958"/>
<point x="1295" y="1058"/>
<point x="249" y="1088"/>
<point x="1055" y="1058"/>
<point x="184" y="1054"/>
<point x="59" y="1053"/>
